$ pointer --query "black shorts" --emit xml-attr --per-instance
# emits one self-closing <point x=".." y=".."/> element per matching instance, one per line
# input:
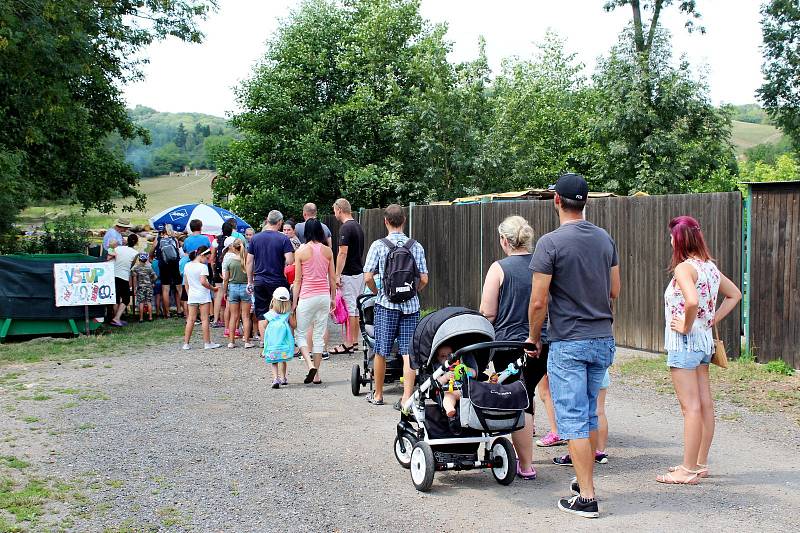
<point x="263" y="297"/>
<point x="533" y="372"/>
<point x="170" y="274"/>
<point x="123" y="287"/>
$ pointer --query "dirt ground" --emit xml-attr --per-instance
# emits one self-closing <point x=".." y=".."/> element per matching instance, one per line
<point x="167" y="440"/>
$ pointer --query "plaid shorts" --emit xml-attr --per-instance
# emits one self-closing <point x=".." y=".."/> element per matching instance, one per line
<point x="391" y="324"/>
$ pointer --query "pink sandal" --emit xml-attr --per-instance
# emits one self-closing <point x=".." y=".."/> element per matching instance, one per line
<point x="530" y="474"/>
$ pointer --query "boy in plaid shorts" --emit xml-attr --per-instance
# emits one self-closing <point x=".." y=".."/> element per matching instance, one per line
<point x="393" y="320"/>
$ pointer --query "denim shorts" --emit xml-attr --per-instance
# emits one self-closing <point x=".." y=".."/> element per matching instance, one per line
<point x="687" y="359"/>
<point x="606" y="381"/>
<point x="576" y="370"/>
<point x="237" y="292"/>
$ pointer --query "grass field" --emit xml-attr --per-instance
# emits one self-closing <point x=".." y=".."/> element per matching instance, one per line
<point x="746" y="135"/>
<point x="161" y="192"/>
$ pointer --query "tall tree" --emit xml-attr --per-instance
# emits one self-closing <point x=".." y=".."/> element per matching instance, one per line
<point x="644" y="33"/>
<point x="353" y="97"/>
<point x="180" y="136"/>
<point x="541" y="125"/>
<point x="62" y="63"/>
<point x="665" y="136"/>
<point x="780" y="93"/>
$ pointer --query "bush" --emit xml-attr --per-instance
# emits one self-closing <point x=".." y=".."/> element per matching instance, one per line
<point x="779" y="366"/>
<point x="64" y="235"/>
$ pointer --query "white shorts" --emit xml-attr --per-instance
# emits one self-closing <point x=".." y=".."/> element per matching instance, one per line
<point x="352" y="287"/>
<point x="314" y="311"/>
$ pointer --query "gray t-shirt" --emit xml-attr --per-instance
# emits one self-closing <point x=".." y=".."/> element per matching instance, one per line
<point x="300" y="231"/>
<point x="579" y="256"/>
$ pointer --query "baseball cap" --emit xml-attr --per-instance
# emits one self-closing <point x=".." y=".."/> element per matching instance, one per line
<point x="572" y="187"/>
<point x="229" y="241"/>
<point x="142" y="257"/>
<point x="281" y="294"/>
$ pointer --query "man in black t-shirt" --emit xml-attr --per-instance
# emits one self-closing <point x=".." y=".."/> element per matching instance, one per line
<point x="349" y="269"/>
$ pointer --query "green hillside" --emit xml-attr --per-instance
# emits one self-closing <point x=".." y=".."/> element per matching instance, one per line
<point x="746" y="135"/>
<point x="162" y="192"/>
<point x="178" y="140"/>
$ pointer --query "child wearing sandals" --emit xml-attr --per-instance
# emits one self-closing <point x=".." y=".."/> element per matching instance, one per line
<point x="451" y="397"/>
<point x="278" y="338"/>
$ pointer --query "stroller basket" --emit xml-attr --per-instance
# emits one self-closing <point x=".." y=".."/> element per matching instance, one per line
<point x="493" y="407"/>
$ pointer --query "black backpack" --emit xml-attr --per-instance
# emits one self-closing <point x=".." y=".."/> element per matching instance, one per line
<point x="168" y="249"/>
<point x="220" y="255"/>
<point x="400" y="273"/>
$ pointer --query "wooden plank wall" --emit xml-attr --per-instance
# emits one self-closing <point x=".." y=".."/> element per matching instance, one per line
<point x="461" y="243"/>
<point x="774" y="273"/>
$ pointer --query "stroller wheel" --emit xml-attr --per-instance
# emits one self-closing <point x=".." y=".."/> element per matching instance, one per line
<point x="423" y="466"/>
<point x="355" y="380"/>
<point x="404" y="458"/>
<point x="504" y="461"/>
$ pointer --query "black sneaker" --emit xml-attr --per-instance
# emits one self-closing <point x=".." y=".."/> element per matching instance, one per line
<point x="564" y="460"/>
<point x="325" y="356"/>
<point x="574" y="487"/>
<point x="575" y="506"/>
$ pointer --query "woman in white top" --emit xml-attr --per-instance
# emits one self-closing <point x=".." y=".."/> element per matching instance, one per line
<point x="690" y="310"/>
<point x="198" y="291"/>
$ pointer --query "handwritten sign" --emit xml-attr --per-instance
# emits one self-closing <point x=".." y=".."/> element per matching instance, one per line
<point x="84" y="284"/>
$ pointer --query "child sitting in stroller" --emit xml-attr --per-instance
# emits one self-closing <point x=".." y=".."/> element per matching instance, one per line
<point x="454" y="379"/>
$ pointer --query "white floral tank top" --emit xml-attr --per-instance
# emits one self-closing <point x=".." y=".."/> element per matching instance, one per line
<point x="700" y="338"/>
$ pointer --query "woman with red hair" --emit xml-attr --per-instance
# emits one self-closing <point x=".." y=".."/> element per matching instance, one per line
<point x="691" y="312"/>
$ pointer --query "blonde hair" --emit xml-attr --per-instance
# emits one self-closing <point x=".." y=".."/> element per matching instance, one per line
<point x="281" y="307"/>
<point x="240" y="250"/>
<point x="517" y="232"/>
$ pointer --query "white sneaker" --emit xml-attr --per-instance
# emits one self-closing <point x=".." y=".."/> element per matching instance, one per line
<point x="231" y="345"/>
<point x="187" y="346"/>
<point x="211" y="346"/>
<point x="248" y="345"/>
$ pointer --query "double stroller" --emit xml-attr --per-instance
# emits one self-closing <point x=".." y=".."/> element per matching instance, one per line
<point x="365" y="303"/>
<point x="488" y="410"/>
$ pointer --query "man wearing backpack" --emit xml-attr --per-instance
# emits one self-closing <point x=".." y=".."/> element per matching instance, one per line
<point x="400" y="263"/>
<point x="166" y="252"/>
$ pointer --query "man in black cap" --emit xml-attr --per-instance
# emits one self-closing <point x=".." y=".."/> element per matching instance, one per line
<point x="575" y="278"/>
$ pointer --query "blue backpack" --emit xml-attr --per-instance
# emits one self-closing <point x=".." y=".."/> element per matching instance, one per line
<point x="278" y="340"/>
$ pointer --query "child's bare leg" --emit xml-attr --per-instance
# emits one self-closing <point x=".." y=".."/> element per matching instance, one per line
<point x="190" y="318"/>
<point x="204" y="320"/>
<point x="282" y="370"/>
<point x="141" y="312"/>
<point x="274" y="368"/>
<point x="449" y="403"/>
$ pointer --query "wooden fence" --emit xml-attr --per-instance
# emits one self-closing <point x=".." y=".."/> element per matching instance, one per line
<point x="461" y="242"/>
<point x="774" y="303"/>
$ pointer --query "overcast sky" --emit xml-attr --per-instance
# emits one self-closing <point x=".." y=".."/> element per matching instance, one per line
<point x="186" y="77"/>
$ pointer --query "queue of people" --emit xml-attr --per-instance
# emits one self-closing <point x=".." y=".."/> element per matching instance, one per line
<point x="556" y="297"/>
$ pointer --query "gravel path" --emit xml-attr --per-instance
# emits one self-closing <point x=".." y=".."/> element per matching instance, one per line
<point x="174" y="441"/>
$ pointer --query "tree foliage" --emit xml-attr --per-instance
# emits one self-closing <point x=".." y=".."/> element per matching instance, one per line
<point x="655" y="126"/>
<point x="62" y="63"/>
<point x="780" y="93"/>
<point x="358" y="98"/>
<point x="645" y="33"/>
<point x="355" y="98"/>
<point x="201" y="132"/>
<point x="542" y="116"/>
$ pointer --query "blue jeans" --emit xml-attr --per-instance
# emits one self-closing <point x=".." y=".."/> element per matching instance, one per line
<point x="576" y="370"/>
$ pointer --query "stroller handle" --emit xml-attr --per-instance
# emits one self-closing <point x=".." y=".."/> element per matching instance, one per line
<point x="455" y="356"/>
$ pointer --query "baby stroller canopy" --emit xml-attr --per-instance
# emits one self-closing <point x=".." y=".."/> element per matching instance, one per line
<point x="460" y="325"/>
